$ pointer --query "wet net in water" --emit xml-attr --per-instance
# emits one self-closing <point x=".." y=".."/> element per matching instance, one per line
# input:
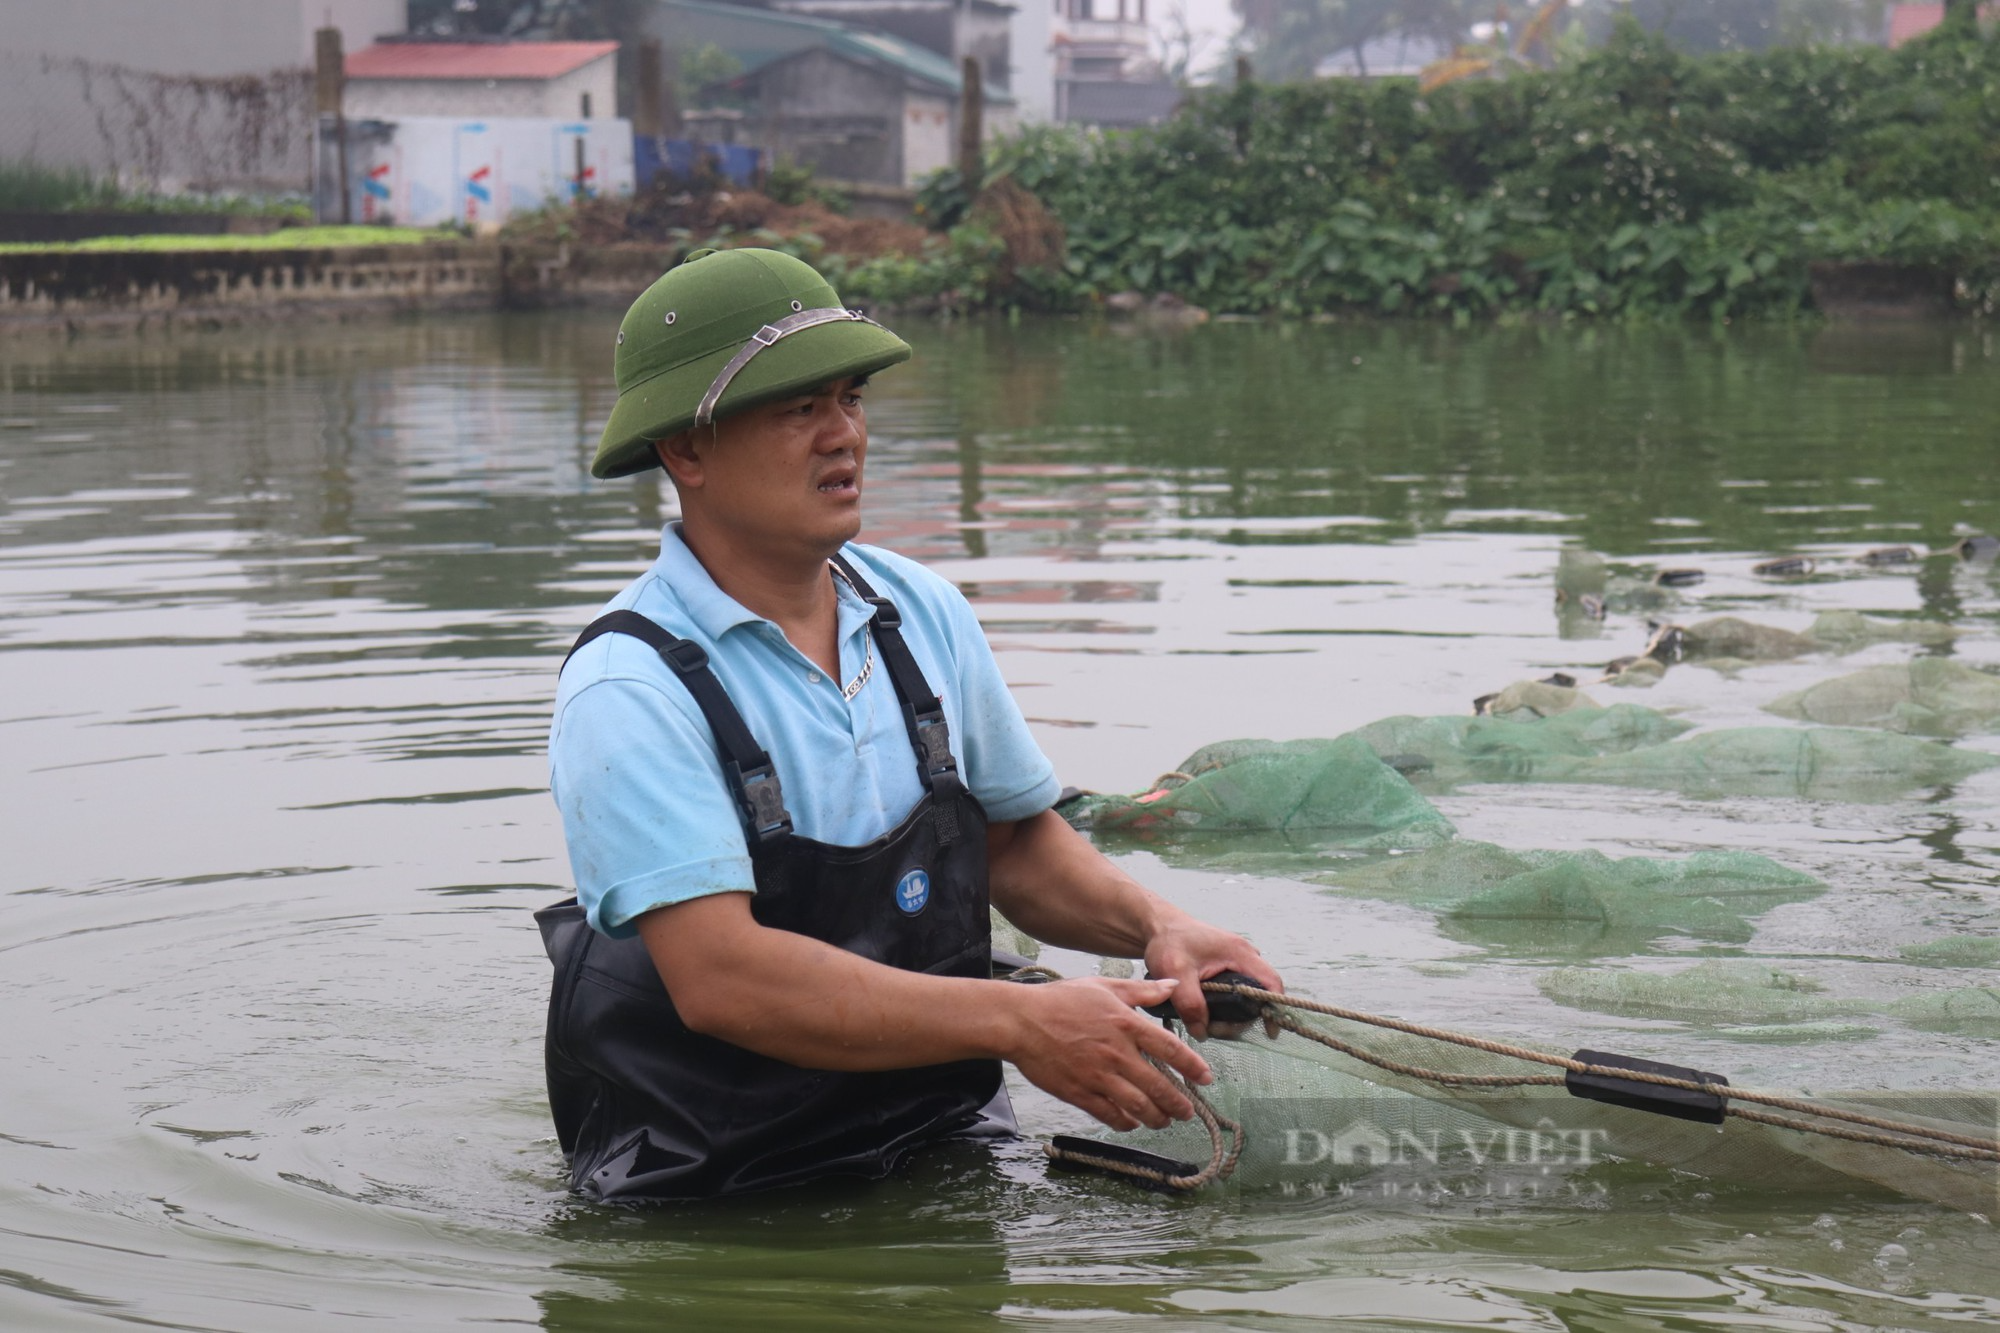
<point x="1330" y="1098"/>
<point x="1343" y="789"/>
<point x="1931" y="696"/>
<point x="1576" y="902"/>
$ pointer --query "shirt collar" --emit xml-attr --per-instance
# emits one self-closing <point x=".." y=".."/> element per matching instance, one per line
<point x="715" y="612"/>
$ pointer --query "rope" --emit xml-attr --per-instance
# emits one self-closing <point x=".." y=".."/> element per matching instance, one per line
<point x="1416" y="1071"/>
<point x="1982" y="1148"/>
<point x="1223" y="1158"/>
<point x="1938" y="1149"/>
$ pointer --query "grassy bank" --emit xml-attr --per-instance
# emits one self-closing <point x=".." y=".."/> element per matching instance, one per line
<point x="290" y="238"/>
<point x="28" y="186"/>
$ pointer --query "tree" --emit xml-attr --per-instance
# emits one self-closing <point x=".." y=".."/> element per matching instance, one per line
<point x="1831" y="22"/>
<point x="1701" y="25"/>
<point x="1174" y="42"/>
<point x="615" y="20"/>
<point x="1290" y="39"/>
<point x="1741" y="25"/>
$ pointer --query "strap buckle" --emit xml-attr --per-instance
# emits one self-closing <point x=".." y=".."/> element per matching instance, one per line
<point x="934" y="746"/>
<point x="686" y="657"/>
<point x="764" y="802"/>
<point x="886" y="614"/>
<point x="767" y="335"/>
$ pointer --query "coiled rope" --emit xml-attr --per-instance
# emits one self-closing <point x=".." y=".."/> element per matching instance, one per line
<point x="1880" y="1131"/>
<point x="1222" y="1158"/>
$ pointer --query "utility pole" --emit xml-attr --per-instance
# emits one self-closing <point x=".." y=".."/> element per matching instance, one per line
<point x="971" y="129"/>
<point x="649" y="102"/>
<point x="329" y="78"/>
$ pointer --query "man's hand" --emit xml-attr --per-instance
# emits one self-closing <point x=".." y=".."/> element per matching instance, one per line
<point x="1085" y="1042"/>
<point x="1190" y="951"/>
<point x="1049" y="881"/>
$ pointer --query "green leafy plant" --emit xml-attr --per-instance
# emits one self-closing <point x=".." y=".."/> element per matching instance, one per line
<point x="32" y="187"/>
<point x="1632" y="181"/>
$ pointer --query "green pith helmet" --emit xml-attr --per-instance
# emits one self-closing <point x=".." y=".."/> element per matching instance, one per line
<point x="724" y="331"/>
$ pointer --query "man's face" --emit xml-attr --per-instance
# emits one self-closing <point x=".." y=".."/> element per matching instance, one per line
<point x="784" y="475"/>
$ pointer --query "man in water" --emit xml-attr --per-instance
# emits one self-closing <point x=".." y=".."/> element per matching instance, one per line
<point x="790" y="776"/>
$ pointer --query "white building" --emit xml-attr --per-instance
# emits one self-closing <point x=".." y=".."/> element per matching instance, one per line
<point x="1034" y="85"/>
<point x="1105" y="72"/>
<point x="544" y="80"/>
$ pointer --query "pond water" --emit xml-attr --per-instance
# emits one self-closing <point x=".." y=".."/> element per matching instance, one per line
<point x="280" y="613"/>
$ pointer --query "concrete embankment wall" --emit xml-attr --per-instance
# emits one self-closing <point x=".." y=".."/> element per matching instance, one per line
<point x="80" y="290"/>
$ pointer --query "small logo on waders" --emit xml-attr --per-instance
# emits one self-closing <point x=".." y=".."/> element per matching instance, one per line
<point x="912" y="892"/>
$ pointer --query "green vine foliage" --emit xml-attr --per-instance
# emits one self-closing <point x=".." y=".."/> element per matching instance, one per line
<point x="1636" y="181"/>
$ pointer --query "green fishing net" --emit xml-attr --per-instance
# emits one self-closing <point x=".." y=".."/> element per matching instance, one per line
<point x="1730" y="642"/>
<point x="1629" y="746"/>
<point x="1729" y="637"/>
<point x="1725" y="994"/>
<point x="1518" y="747"/>
<point x="1825" y="763"/>
<point x="1847" y="630"/>
<point x="1639" y="673"/>
<point x="1716" y="993"/>
<point x="1580" y="573"/>
<point x="1971" y="1011"/>
<point x="1403" y="1109"/>
<point x="1954" y="951"/>
<point x="1344" y="792"/>
<point x="1577" y="902"/>
<point x="1284" y="807"/>
<point x="1535" y="698"/>
<point x="1735" y="639"/>
<point x="1010" y="938"/>
<point x="1336" y="792"/>
<point x="1584" y="574"/>
<point x="1424" y="1119"/>
<point x="1931" y="696"/>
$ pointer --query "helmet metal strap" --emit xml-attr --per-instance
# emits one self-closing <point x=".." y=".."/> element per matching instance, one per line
<point x="764" y="337"/>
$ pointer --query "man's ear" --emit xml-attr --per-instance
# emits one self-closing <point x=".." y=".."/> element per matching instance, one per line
<point x="681" y="459"/>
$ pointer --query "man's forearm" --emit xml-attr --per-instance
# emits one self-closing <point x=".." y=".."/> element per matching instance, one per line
<point x="1047" y="879"/>
<point x="810" y="1004"/>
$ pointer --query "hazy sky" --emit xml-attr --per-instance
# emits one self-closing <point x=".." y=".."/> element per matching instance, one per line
<point x="1211" y="22"/>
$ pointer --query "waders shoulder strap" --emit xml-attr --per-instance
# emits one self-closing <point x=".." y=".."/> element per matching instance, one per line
<point x="744" y="762"/>
<point x="923" y="711"/>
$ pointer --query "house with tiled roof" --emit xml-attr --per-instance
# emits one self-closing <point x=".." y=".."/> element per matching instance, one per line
<point x="1911" y="21"/>
<point x="859" y="105"/>
<point x="470" y="132"/>
<point x="550" y="80"/>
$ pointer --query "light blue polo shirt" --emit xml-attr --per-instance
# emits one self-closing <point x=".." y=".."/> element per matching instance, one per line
<point x="633" y="764"/>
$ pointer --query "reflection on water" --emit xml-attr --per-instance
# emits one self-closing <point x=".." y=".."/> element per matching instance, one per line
<point x="279" y="616"/>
